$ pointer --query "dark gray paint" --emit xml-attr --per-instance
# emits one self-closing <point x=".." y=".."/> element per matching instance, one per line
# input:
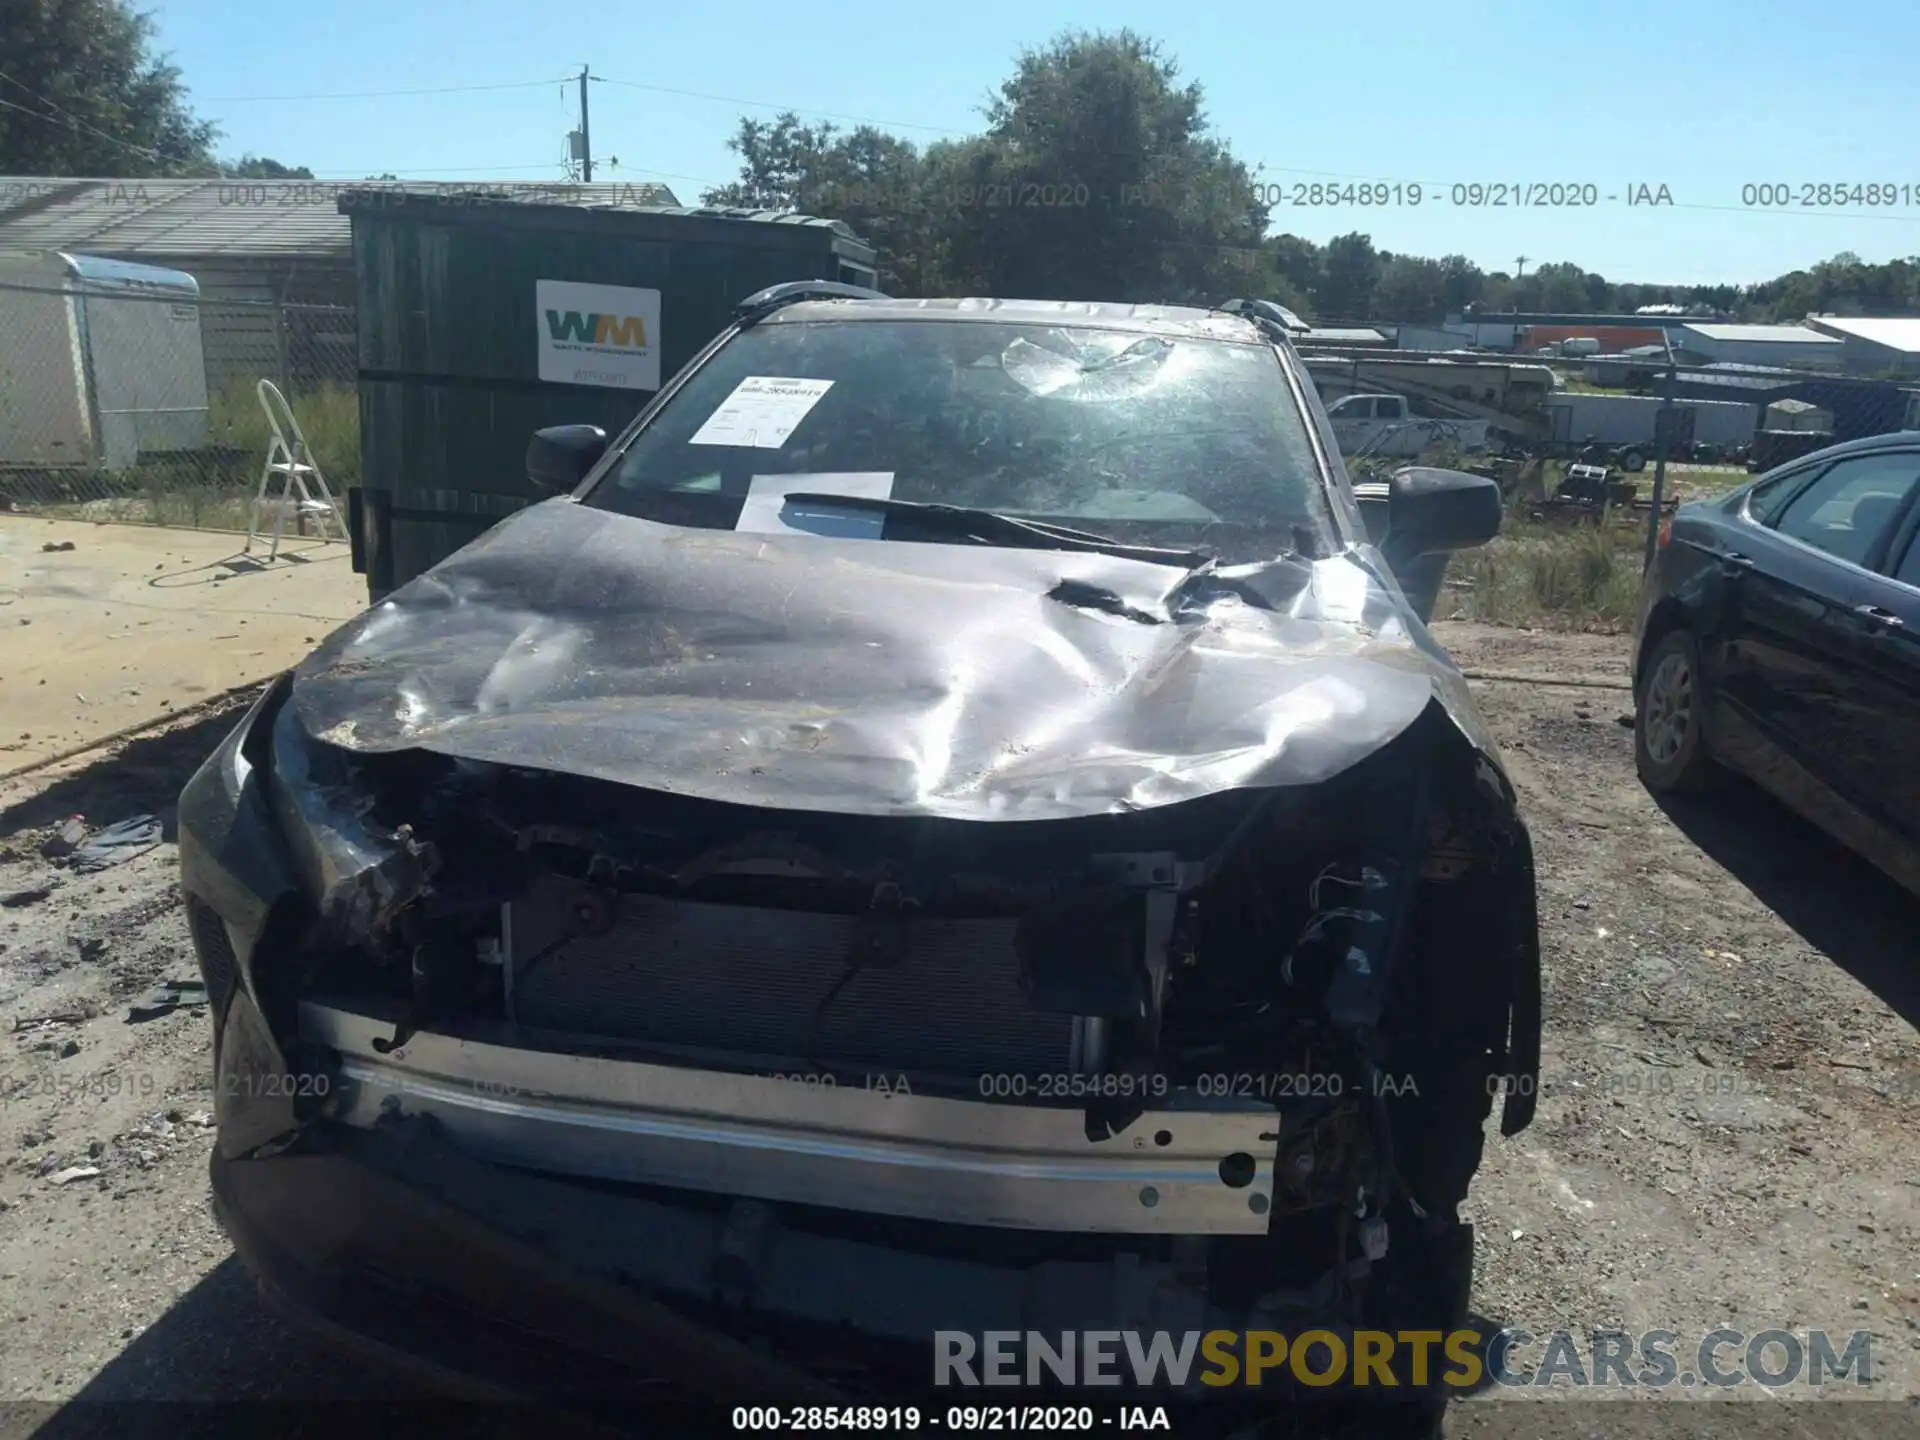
<point x="879" y="678"/>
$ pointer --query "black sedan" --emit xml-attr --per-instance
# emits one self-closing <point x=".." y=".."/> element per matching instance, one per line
<point x="1779" y="636"/>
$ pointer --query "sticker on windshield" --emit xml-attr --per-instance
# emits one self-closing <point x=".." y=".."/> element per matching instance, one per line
<point x="762" y="412"/>
<point x="767" y="511"/>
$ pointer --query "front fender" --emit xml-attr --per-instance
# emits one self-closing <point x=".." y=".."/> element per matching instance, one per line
<point x="233" y="858"/>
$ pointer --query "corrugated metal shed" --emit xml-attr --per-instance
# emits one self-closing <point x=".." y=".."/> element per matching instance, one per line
<point x="242" y="219"/>
<point x="1900" y="333"/>
<point x="1764" y="334"/>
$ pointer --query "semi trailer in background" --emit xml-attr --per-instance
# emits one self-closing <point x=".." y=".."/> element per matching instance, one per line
<point x="1633" y="420"/>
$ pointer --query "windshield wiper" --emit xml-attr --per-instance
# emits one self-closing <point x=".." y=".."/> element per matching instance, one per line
<point x="990" y="527"/>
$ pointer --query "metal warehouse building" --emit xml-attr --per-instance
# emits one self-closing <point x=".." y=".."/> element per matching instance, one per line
<point x="1789" y="345"/>
<point x="1871" y="346"/>
<point x="1858" y="407"/>
<point x="255" y="247"/>
<point x="1511" y="330"/>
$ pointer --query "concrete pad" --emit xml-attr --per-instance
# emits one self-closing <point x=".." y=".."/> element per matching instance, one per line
<point x="137" y="621"/>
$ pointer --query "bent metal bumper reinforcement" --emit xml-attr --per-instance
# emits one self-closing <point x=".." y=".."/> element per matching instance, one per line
<point x="915" y="1156"/>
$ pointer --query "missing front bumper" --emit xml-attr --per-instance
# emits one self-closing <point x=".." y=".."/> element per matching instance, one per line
<point x="1172" y="1170"/>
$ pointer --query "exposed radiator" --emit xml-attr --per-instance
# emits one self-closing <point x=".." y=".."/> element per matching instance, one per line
<point x="742" y="979"/>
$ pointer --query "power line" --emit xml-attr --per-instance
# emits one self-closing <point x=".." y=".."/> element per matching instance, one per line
<point x="59" y="114"/>
<point x="383" y="94"/>
<point x="443" y="170"/>
<point x="770" y="105"/>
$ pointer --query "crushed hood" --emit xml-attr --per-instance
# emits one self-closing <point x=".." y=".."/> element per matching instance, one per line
<point x="878" y="678"/>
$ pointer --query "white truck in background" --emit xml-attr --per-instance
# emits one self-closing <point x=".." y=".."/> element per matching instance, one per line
<point x="1380" y="424"/>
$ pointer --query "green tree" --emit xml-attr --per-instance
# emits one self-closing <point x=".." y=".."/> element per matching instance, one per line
<point x="777" y="158"/>
<point x="1559" y="287"/>
<point x="1411" y="288"/>
<point x="1352" y="272"/>
<point x="259" y="167"/>
<point x="877" y="183"/>
<point x="1460" y="282"/>
<point x="81" y="94"/>
<point x="1099" y="178"/>
<point x="1296" y="274"/>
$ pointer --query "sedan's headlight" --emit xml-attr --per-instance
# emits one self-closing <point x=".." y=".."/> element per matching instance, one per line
<point x="357" y="871"/>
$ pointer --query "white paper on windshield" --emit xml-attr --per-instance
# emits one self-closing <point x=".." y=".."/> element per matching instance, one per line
<point x="765" y="511"/>
<point x="762" y="412"/>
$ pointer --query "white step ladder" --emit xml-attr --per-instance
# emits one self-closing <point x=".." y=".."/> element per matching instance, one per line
<point x="293" y="463"/>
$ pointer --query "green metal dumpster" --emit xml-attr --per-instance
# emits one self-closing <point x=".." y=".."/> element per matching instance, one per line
<point x="484" y="318"/>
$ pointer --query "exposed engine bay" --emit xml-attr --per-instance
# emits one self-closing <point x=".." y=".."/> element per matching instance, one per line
<point x="1288" y="1004"/>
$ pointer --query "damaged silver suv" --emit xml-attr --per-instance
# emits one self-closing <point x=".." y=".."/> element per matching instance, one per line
<point x="949" y="824"/>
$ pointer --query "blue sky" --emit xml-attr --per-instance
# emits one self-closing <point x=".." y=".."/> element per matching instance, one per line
<point x="1702" y="96"/>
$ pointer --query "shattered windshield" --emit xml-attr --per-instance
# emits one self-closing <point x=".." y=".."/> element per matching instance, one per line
<point x="1144" y="438"/>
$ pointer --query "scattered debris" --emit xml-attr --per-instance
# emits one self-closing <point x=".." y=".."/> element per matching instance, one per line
<point x="18" y="899"/>
<point x="66" y="837"/>
<point x="57" y="1017"/>
<point x="54" y="545"/>
<point x="117" y="843"/>
<point x="91" y="948"/>
<point x="165" y="998"/>
<point x="75" y="1172"/>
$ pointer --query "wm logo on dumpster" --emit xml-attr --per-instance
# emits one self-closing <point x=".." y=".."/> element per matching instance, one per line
<point x="620" y="331"/>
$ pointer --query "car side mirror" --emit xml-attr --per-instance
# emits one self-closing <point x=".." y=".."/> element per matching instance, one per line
<point x="1430" y="511"/>
<point x="559" y="457"/>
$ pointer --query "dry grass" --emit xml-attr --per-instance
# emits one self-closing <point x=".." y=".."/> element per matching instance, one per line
<point x="1552" y="576"/>
<point x="328" y="416"/>
<point x="209" y="489"/>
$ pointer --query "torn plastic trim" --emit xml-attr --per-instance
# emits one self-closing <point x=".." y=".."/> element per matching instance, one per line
<point x="359" y="873"/>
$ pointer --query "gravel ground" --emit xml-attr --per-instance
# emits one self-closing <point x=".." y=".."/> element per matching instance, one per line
<point x="1730" y="1094"/>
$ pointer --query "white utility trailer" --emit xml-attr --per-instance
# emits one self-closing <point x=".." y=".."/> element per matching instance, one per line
<point x="100" y="364"/>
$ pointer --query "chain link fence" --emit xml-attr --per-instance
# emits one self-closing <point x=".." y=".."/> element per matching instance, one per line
<point x="143" y="407"/>
<point x="1592" y="455"/>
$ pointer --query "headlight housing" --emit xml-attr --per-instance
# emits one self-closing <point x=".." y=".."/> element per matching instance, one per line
<point x="358" y="872"/>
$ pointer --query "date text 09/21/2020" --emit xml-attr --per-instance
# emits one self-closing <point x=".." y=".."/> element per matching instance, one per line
<point x="1111" y="1085"/>
<point x="1310" y="194"/>
<point x="953" y="1420"/>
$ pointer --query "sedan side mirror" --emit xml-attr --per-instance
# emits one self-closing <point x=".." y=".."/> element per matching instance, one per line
<point x="1419" y="515"/>
<point x="1430" y="511"/>
<point x="559" y="457"/>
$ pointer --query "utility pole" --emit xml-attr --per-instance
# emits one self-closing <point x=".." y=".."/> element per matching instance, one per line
<point x="1519" y="264"/>
<point x="586" y="134"/>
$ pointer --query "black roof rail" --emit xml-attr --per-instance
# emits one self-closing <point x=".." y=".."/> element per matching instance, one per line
<point x="763" y="303"/>
<point x="1266" y="313"/>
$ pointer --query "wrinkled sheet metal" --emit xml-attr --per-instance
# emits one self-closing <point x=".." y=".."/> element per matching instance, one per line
<point x="862" y="677"/>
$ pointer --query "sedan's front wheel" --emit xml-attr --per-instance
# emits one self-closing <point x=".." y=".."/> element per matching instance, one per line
<point x="1669" y="747"/>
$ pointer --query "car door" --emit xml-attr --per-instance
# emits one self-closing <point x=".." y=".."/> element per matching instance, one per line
<point x="1352" y="420"/>
<point x="1801" y="635"/>
<point x="1890" y="642"/>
